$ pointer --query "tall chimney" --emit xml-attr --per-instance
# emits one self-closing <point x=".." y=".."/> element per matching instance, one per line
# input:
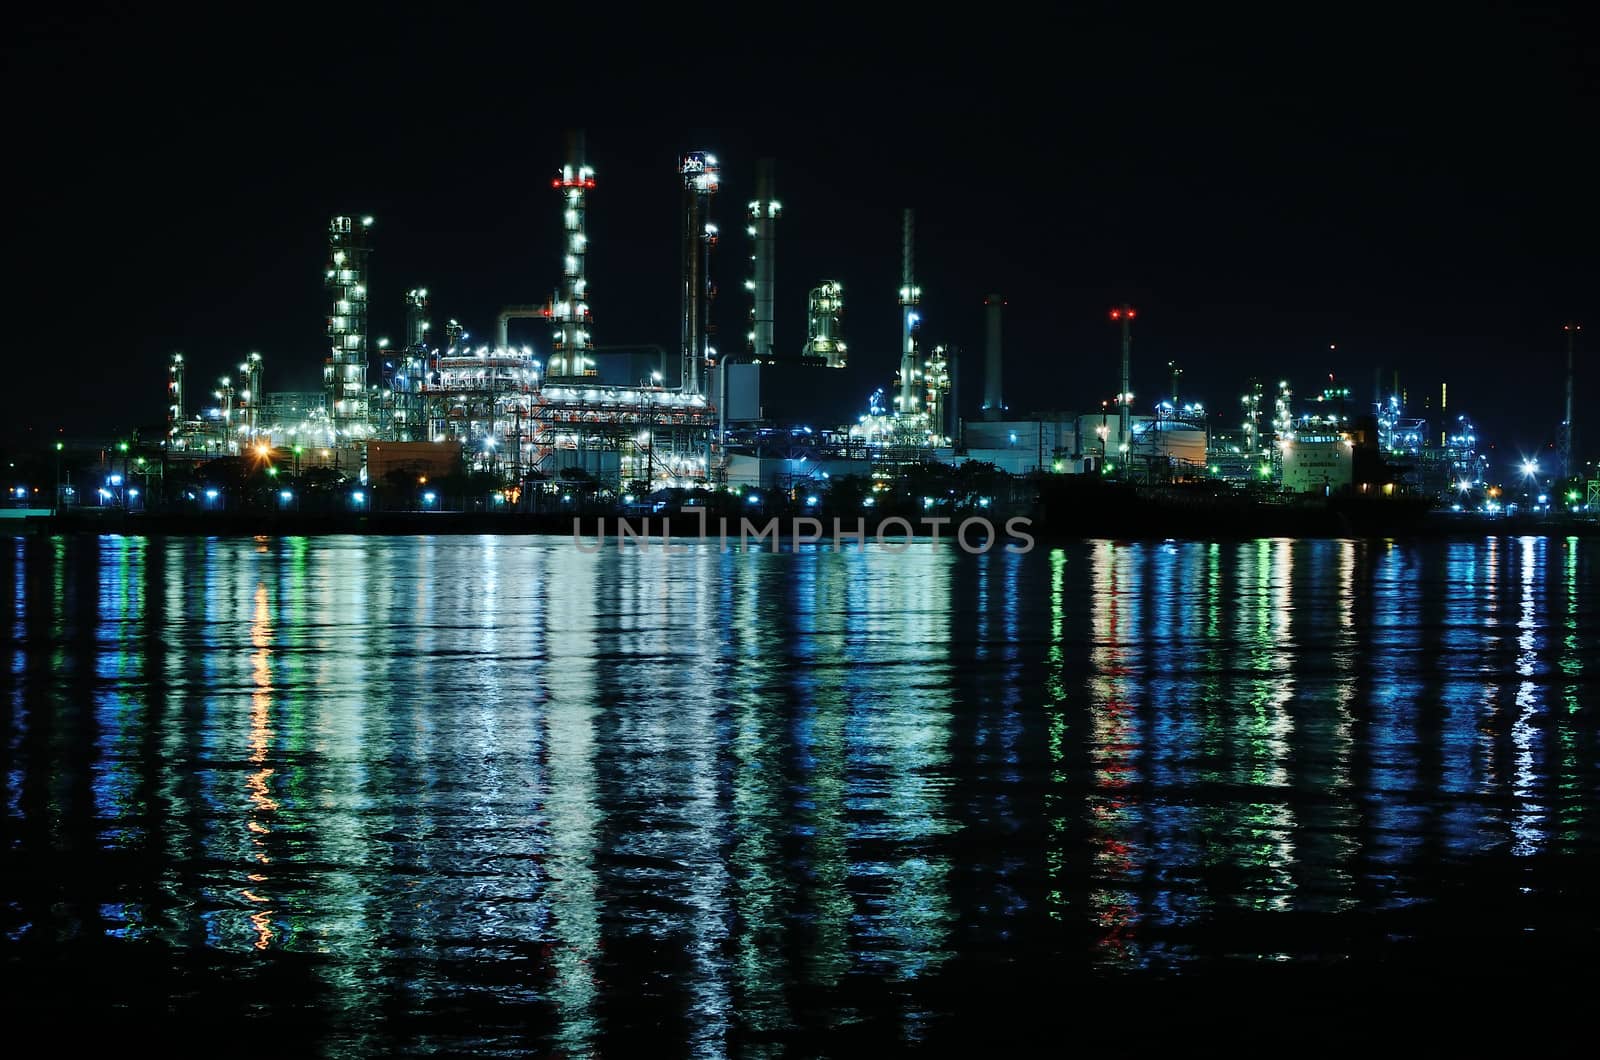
<point x="910" y="296"/>
<point x="763" y="222"/>
<point x="1568" y="428"/>
<point x="993" y="405"/>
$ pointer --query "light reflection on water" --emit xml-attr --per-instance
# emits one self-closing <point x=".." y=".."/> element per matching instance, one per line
<point x="719" y="797"/>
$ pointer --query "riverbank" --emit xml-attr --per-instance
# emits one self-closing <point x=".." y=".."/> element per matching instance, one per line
<point x="1126" y="521"/>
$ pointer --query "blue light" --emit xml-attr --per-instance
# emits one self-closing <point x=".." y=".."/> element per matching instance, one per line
<point x="211" y="495"/>
<point x="429" y="497"/>
<point x="754" y="498"/>
<point x="358" y="496"/>
<point x="285" y="495"/>
<point x="115" y="480"/>
<point x="811" y="501"/>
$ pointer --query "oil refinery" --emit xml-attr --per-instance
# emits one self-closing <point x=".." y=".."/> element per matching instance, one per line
<point x="528" y="424"/>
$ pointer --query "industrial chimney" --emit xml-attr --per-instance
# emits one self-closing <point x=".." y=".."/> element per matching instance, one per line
<point x="910" y="297"/>
<point x="993" y="405"/>
<point x="763" y="221"/>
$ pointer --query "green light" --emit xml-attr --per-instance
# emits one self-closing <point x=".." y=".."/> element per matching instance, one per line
<point x="123" y="446"/>
<point x="1058" y="465"/>
<point x="60" y="446"/>
<point x="272" y="471"/>
<point x="297" y="450"/>
<point x="1572" y="495"/>
<point x="139" y="460"/>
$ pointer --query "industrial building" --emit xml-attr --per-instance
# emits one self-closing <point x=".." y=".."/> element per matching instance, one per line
<point x="761" y="415"/>
<point x="1319" y="463"/>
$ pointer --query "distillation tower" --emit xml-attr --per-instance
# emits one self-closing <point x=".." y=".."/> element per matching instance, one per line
<point x="570" y="356"/>
<point x="939" y="376"/>
<point x="250" y="396"/>
<point x="701" y="178"/>
<point x="344" y="373"/>
<point x="175" y="400"/>
<point x="410" y="370"/>
<point x="824" y="331"/>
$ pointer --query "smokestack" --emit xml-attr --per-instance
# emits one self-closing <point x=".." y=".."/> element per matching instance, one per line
<point x="910" y="296"/>
<point x="763" y="231"/>
<point x="1568" y="428"/>
<point x="993" y="405"/>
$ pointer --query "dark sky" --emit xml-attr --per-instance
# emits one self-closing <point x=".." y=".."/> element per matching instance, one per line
<point x="1417" y="192"/>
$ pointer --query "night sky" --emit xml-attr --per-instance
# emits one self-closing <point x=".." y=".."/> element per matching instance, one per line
<point x="1417" y="193"/>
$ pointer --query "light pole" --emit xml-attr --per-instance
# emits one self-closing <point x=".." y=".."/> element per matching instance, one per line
<point x="55" y="508"/>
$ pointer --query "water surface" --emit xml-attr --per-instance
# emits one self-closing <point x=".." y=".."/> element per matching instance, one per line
<point x="485" y="794"/>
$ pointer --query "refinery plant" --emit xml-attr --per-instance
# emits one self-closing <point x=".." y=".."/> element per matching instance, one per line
<point x="530" y="422"/>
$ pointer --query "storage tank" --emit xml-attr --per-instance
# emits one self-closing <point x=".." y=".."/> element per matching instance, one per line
<point x="1183" y="443"/>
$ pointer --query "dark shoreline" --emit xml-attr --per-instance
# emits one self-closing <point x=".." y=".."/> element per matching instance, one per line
<point x="1154" y="524"/>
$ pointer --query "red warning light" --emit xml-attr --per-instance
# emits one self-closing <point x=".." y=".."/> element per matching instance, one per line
<point x="1116" y="314"/>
